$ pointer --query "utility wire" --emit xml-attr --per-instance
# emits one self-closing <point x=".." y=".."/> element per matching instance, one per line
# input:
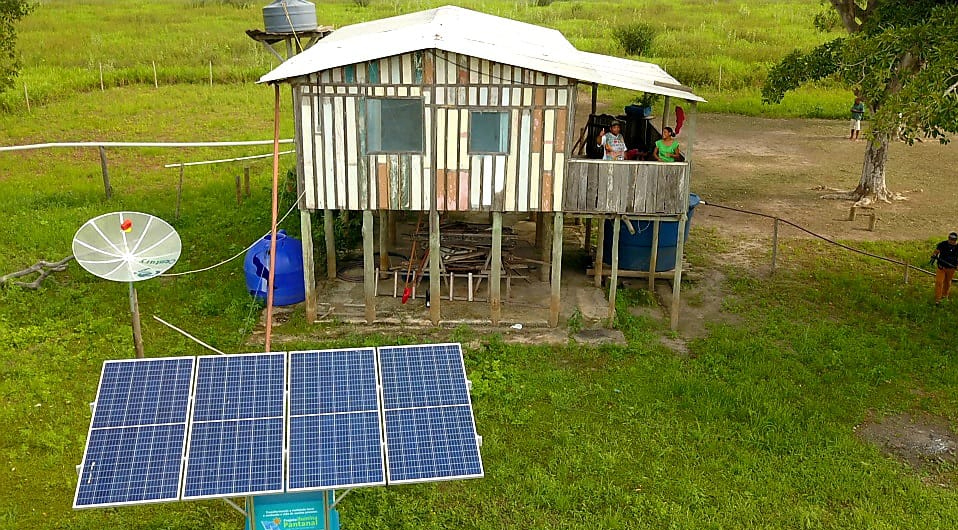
<point x="240" y="253"/>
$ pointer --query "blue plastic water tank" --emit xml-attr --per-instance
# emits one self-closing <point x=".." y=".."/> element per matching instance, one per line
<point x="290" y="288"/>
<point x="635" y="250"/>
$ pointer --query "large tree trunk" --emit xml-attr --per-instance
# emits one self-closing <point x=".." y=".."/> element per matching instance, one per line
<point x="871" y="186"/>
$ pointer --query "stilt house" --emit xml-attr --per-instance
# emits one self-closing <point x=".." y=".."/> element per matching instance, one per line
<point x="454" y="110"/>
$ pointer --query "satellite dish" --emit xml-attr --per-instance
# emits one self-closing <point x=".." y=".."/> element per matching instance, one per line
<point x="126" y="246"/>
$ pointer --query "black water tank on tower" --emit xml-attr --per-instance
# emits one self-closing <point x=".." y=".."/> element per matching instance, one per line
<point x="288" y="16"/>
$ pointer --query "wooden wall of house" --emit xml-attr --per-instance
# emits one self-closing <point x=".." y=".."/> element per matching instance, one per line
<point x="338" y="174"/>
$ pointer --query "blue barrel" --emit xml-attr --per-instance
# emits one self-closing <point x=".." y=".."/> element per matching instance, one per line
<point x="635" y="250"/>
<point x="290" y="288"/>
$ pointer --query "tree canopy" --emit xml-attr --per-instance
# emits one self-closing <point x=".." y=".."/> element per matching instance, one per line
<point x="10" y="12"/>
<point x="901" y="57"/>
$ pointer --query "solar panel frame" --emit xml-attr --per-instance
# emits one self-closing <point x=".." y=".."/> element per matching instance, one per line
<point x="317" y="430"/>
<point x="147" y="481"/>
<point x="442" y="392"/>
<point x="246" y="415"/>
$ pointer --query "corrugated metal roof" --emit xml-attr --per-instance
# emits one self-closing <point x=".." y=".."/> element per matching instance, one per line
<point x="458" y="30"/>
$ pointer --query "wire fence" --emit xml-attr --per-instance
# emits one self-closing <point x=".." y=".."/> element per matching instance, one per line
<point x="777" y="220"/>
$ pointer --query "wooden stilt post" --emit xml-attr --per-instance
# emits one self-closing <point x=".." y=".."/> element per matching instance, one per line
<point x="546" y="248"/>
<point x="435" y="292"/>
<point x="587" y="244"/>
<point x="106" y="173"/>
<point x="614" y="278"/>
<point x="495" y="301"/>
<point x="539" y="229"/>
<point x="774" y="244"/>
<point x="309" y="265"/>
<point x="383" y="244"/>
<point x="369" y="271"/>
<point x="677" y="281"/>
<point x="391" y="231"/>
<point x="665" y="111"/>
<point x="654" y="257"/>
<point x="556" y="284"/>
<point x="330" y="244"/>
<point x="691" y="128"/>
<point x="599" y="251"/>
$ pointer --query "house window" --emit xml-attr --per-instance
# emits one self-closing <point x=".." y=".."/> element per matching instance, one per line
<point x="394" y="125"/>
<point x="488" y="132"/>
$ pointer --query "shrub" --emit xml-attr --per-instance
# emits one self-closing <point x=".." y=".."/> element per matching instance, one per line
<point x="636" y="38"/>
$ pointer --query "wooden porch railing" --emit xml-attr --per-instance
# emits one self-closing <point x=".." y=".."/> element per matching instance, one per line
<point x="603" y="186"/>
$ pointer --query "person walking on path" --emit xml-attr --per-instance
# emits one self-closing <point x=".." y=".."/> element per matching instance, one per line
<point x="858" y="112"/>
<point x="946" y="254"/>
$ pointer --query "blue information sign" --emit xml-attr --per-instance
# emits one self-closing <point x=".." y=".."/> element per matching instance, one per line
<point x="291" y="511"/>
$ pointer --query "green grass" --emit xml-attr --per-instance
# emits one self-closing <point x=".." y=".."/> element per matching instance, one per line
<point x="721" y="49"/>
<point x="755" y="428"/>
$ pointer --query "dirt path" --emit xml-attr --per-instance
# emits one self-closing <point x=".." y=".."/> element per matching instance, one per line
<point x="773" y="166"/>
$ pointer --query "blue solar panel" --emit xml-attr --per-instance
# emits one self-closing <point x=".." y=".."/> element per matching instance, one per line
<point x="135" y="447"/>
<point x="335" y="434"/>
<point x="237" y="436"/>
<point x="143" y="392"/>
<point x="423" y="376"/>
<point x="323" y="382"/>
<point x="232" y="387"/>
<point x="335" y="451"/>
<point x="432" y="443"/>
<point x="235" y="457"/>
<point x="430" y="431"/>
<point x="126" y="465"/>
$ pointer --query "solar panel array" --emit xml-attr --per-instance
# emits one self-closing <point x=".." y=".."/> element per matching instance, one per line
<point x="266" y="423"/>
<point x="335" y="439"/>
<point x="135" y="446"/>
<point x="430" y="433"/>
<point x="237" y="437"/>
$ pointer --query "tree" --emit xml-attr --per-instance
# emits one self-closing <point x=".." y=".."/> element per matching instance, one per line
<point x="10" y="12"/>
<point x="901" y="57"/>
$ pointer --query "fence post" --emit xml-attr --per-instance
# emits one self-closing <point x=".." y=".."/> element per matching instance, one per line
<point x="774" y="244"/>
<point x="26" y="97"/>
<point x="906" y="273"/>
<point x="179" y="193"/>
<point x="156" y="83"/>
<point x="106" y="173"/>
<point x="211" y="73"/>
<point x="101" y="78"/>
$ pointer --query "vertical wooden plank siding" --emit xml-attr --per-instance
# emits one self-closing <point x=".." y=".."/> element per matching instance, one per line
<point x="306" y="148"/>
<point x="350" y="147"/>
<point x="530" y="175"/>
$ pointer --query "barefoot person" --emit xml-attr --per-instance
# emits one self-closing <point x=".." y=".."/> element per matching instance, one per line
<point x="612" y="142"/>
<point x="946" y="254"/>
<point x="667" y="149"/>
<point x="858" y="112"/>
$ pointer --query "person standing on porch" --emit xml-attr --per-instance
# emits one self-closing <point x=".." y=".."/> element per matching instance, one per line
<point x="946" y="254"/>
<point x="667" y="149"/>
<point x="612" y="142"/>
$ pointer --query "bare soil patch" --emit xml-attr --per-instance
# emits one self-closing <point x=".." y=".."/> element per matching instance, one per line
<point x="926" y="443"/>
<point x="779" y="167"/>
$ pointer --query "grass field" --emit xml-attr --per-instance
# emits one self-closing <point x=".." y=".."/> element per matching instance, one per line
<point x="755" y="428"/>
<point x="721" y="49"/>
